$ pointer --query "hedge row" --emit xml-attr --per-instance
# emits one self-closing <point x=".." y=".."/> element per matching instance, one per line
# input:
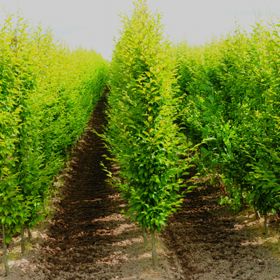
<point x="46" y="96"/>
<point x="231" y="101"/>
<point x="141" y="134"/>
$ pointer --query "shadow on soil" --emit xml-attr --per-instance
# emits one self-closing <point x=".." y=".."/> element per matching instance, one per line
<point x="212" y="244"/>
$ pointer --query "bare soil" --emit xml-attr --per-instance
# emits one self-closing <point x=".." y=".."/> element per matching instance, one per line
<point x="213" y="244"/>
<point x="88" y="237"/>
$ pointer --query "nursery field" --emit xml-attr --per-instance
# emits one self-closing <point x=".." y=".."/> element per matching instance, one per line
<point x="163" y="163"/>
<point x="88" y="237"/>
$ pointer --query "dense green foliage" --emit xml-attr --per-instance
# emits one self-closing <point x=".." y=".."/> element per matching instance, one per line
<point x="231" y="96"/>
<point x="225" y="96"/>
<point x="46" y="96"/>
<point x="142" y="135"/>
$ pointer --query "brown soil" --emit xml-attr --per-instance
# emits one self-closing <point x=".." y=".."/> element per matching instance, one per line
<point x="214" y="244"/>
<point x="89" y="237"/>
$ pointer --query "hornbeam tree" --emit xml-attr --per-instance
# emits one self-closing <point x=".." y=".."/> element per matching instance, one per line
<point x="142" y="135"/>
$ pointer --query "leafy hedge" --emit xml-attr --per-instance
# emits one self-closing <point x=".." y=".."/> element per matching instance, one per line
<point x="142" y="135"/>
<point x="46" y="96"/>
<point x="231" y="93"/>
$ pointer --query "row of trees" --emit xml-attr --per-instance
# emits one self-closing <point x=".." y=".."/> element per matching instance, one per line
<point x="142" y="134"/>
<point x="224" y="96"/>
<point x="46" y="96"/>
<point x="231" y="97"/>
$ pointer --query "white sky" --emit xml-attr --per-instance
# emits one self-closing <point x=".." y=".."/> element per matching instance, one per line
<point x="95" y="23"/>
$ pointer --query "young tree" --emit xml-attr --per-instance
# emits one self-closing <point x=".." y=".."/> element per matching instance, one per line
<point x="142" y="134"/>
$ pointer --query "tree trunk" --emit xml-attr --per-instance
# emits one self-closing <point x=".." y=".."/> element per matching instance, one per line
<point x="29" y="234"/>
<point x="145" y="237"/>
<point x="154" y="249"/>
<point x="22" y="241"/>
<point x="257" y="214"/>
<point x="266" y="225"/>
<point x="5" y="252"/>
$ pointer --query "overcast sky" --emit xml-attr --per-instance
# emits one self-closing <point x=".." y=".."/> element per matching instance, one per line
<point x="95" y="23"/>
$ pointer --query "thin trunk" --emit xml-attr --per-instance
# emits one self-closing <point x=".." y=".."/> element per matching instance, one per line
<point x="257" y="214"/>
<point x="5" y="252"/>
<point x="22" y="241"/>
<point x="266" y="225"/>
<point x="154" y="249"/>
<point x="242" y="201"/>
<point x="29" y="234"/>
<point x="145" y="237"/>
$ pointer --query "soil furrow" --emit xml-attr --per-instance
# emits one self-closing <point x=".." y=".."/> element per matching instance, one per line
<point x="210" y="245"/>
<point x="88" y="237"/>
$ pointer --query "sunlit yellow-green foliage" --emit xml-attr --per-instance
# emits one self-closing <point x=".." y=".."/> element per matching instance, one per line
<point x="231" y="93"/>
<point x="46" y="96"/>
<point x="142" y="134"/>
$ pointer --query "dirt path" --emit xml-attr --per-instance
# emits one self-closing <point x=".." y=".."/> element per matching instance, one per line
<point x="212" y="245"/>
